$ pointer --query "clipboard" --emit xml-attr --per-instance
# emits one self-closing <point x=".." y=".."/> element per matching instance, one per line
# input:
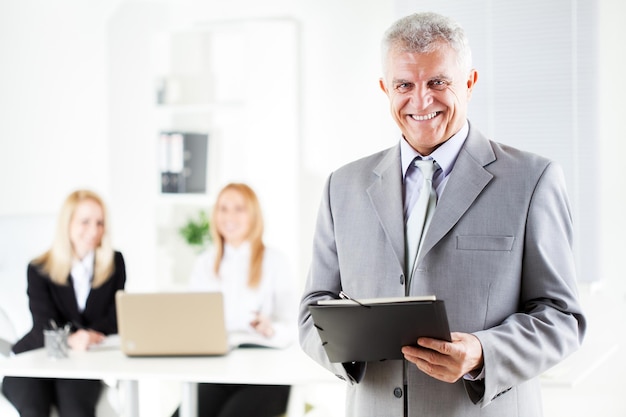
<point x="369" y="330"/>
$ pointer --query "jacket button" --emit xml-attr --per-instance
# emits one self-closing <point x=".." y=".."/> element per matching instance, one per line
<point x="397" y="392"/>
<point x="401" y="279"/>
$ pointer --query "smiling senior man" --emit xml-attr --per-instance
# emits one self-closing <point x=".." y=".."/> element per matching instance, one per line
<point x="497" y="246"/>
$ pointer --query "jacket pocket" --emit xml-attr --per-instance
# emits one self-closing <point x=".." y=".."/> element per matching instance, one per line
<point x="487" y="243"/>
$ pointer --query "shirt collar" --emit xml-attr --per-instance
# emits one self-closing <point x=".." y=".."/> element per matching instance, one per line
<point x="240" y="250"/>
<point x="445" y="155"/>
<point x="86" y="263"/>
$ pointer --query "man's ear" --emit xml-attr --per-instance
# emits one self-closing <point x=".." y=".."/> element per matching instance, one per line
<point x="381" y="83"/>
<point x="472" y="79"/>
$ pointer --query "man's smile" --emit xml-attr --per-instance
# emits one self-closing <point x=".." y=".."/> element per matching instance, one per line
<point x="426" y="116"/>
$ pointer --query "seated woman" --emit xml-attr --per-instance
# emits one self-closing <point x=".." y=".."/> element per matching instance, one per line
<point x="73" y="283"/>
<point x="259" y="298"/>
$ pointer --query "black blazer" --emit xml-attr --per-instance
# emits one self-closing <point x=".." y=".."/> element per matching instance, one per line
<point x="48" y="300"/>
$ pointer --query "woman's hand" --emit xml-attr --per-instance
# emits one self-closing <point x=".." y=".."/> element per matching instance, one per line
<point x="263" y="325"/>
<point x="82" y="339"/>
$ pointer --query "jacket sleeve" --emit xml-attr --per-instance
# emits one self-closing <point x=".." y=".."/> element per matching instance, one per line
<point x="322" y="281"/>
<point x="42" y="307"/>
<point x="549" y="324"/>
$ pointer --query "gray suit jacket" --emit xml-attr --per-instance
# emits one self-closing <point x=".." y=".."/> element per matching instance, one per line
<point x="498" y="251"/>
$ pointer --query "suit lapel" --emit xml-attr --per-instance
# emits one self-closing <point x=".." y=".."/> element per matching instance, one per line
<point x="467" y="180"/>
<point x="66" y="293"/>
<point x="386" y="196"/>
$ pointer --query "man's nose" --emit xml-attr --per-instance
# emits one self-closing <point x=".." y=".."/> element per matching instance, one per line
<point x="421" y="97"/>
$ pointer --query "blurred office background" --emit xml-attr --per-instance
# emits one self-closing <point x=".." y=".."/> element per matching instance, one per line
<point x="105" y="94"/>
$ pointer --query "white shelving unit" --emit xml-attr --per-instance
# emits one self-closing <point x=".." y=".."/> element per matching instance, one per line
<point x="237" y="83"/>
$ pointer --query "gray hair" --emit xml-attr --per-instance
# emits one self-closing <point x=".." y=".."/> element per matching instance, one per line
<point x="421" y="33"/>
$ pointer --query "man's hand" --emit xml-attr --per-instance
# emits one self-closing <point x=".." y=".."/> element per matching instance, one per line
<point x="446" y="361"/>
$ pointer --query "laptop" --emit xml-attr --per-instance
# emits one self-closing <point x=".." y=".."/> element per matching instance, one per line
<point x="171" y="323"/>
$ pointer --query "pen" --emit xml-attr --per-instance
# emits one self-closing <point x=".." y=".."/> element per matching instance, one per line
<point x="345" y="296"/>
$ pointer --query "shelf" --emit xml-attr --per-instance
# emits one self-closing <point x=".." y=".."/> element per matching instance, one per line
<point x="190" y="199"/>
<point x="199" y="108"/>
<point x="203" y="86"/>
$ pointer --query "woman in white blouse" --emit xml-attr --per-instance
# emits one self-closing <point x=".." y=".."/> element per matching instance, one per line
<point x="260" y="299"/>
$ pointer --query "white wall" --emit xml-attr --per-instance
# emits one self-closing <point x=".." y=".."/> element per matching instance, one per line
<point x="53" y="102"/>
<point x="612" y="91"/>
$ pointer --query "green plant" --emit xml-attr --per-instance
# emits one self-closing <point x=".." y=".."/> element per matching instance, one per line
<point x="196" y="231"/>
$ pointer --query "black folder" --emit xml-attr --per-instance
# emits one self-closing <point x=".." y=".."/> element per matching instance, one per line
<point x="376" y="329"/>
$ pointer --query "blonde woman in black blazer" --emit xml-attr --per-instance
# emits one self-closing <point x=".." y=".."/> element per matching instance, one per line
<point x="73" y="283"/>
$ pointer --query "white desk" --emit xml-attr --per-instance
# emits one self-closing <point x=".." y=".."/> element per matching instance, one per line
<point x="241" y="366"/>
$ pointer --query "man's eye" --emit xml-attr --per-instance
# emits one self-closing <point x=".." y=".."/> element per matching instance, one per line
<point x="403" y="87"/>
<point x="438" y="84"/>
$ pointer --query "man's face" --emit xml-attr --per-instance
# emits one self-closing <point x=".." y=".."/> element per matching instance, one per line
<point x="428" y="94"/>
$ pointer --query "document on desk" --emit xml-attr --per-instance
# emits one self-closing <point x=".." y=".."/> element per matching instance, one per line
<point x="250" y="339"/>
<point x="112" y="341"/>
<point x="376" y="329"/>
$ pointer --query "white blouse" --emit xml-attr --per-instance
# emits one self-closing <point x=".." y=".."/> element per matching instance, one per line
<point x="275" y="297"/>
<point x="82" y="275"/>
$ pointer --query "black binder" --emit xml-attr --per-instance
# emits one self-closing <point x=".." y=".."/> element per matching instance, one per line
<point x="376" y="329"/>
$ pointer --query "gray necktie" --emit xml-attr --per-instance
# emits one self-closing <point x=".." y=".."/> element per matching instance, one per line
<point x="419" y="219"/>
